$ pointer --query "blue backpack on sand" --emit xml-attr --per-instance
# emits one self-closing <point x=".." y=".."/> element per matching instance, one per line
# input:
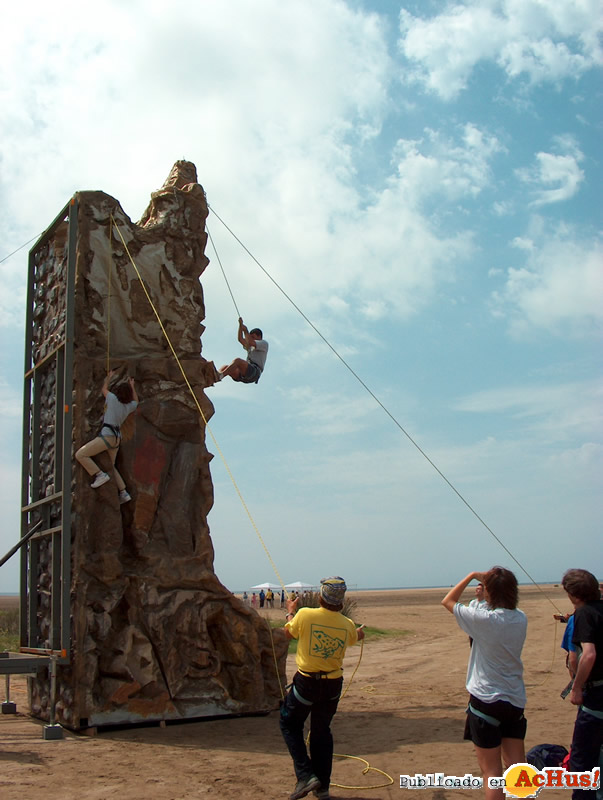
<point x="546" y="755"/>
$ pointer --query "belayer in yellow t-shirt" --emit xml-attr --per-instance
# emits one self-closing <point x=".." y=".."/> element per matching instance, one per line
<point x="322" y="634"/>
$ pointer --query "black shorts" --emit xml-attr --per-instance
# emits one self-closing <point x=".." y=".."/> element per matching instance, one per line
<point x="512" y="723"/>
<point x="252" y="374"/>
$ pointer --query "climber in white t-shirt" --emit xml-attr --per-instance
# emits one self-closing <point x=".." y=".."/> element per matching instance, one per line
<point x="249" y="370"/>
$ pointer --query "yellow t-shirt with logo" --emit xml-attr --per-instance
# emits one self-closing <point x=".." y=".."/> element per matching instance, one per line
<point x="322" y="638"/>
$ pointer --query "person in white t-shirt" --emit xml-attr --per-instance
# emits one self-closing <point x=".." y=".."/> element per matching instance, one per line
<point x="120" y="403"/>
<point x="495" y="720"/>
<point x="250" y="370"/>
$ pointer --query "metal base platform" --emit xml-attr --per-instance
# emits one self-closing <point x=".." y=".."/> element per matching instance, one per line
<point x="22" y="663"/>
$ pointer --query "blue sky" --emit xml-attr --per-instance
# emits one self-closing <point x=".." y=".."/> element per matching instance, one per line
<point x="423" y="180"/>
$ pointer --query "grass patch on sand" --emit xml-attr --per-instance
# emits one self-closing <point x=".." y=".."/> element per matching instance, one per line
<point x="370" y="633"/>
<point x="383" y="633"/>
<point x="9" y="629"/>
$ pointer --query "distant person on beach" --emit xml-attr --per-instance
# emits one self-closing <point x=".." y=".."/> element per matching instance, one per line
<point x="478" y="600"/>
<point x="495" y="721"/>
<point x="250" y="370"/>
<point x="571" y="658"/>
<point x="587" y="691"/>
<point x="120" y="403"/>
<point x="322" y="634"/>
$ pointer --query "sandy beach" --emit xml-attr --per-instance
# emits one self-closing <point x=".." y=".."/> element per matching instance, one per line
<point x="403" y="713"/>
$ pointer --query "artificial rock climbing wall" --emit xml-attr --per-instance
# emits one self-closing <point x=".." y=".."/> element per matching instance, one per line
<point x="155" y="635"/>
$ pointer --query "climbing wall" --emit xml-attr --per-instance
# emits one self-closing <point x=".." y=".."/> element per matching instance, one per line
<point x="154" y="634"/>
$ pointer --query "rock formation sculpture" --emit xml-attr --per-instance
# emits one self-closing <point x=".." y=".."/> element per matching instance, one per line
<point x="155" y="635"/>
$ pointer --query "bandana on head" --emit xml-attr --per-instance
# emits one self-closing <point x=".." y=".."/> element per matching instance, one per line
<point x="332" y="590"/>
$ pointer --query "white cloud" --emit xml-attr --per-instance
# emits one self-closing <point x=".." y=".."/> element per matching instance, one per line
<point x="379" y="255"/>
<point x="522" y="243"/>
<point x="502" y="208"/>
<point x="438" y="166"/>
<point x="374" y="309"/>
<point x="388" y="257"/>
<point x="337" y="305"/>
<point x="550" y="412"/>
<point x="325" y="415"/>
<point x="559" y="288"/>
<point x="559" y="170"/>
<point x="444" y="49"/>
<point x="391" y="258"/>
<point x="275" y="112"/>
<point x="543" y="40"/>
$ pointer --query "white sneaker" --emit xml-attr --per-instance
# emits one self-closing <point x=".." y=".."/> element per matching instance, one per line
<point x="101" y="477"/>
<point x="124" y="497"/>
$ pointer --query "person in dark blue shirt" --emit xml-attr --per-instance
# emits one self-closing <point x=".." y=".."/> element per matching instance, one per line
<point x="587" y="692"/>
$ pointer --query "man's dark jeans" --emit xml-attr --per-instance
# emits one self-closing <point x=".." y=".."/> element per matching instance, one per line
<point x="587" y="739"/>
<point x="318" y="698"/>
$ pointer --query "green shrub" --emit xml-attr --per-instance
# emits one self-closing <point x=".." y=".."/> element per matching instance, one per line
<point x="9" y="629"/>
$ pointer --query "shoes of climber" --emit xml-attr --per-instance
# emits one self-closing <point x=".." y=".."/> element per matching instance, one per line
<point x="322" y="794"/>
<point x="101" y="477"/>
<point x="124" y="497"/>
<point x="304" y="787"/>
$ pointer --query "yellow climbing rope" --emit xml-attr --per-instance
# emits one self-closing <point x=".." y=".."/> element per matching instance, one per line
<point x="367" y="769"/>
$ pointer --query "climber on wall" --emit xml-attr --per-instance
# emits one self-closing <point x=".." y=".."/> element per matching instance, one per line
<point x="250" y="370"/>
<point x="120" y="403"/>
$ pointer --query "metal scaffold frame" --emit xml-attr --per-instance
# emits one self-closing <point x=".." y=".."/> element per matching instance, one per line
<point x="37" y="503"/>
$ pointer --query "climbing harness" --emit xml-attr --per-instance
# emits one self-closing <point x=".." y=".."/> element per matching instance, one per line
<point x="110" y="446"/>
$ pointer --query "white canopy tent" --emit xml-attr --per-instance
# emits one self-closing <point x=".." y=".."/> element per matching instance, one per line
<point x="267" y="585"/>
<point x="299" y="586"/>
